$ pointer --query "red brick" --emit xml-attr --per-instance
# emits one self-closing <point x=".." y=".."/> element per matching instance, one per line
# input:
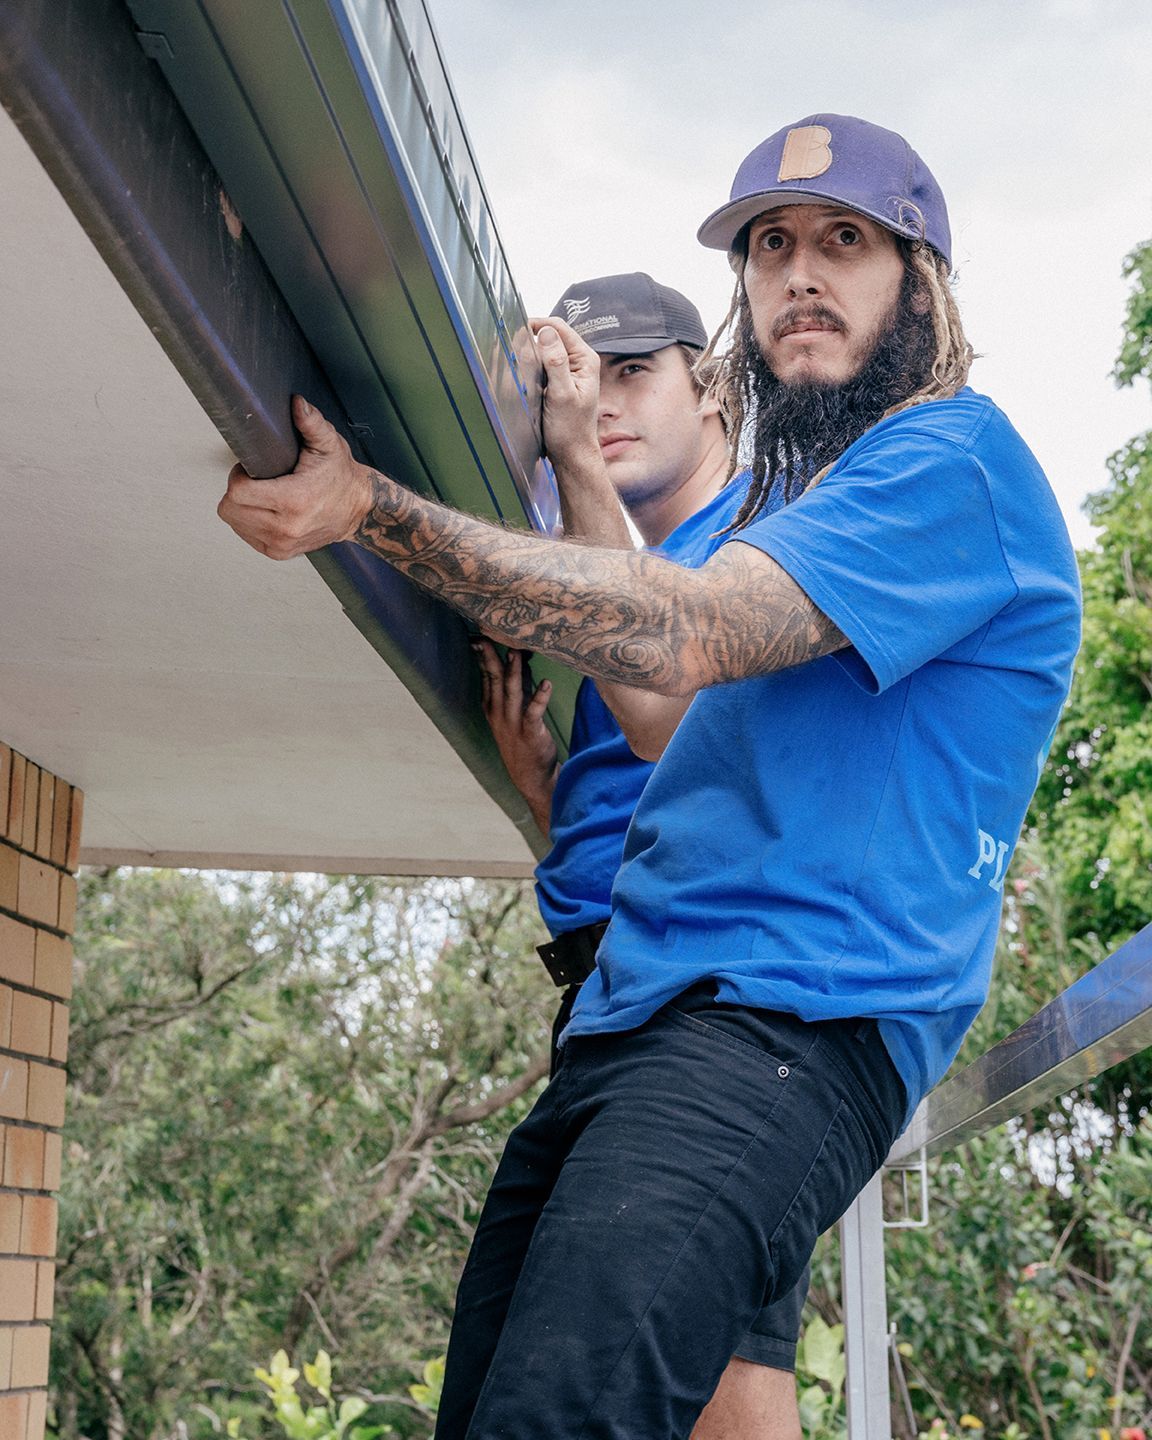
<point x="30" y="1355"/>
<point x="53" y="965"/>
<point x="45" y="1289"/>
<point x="37" y="1415"/>
<point x="18" y="1295"/>
<point x="10" y="1209"/>
<point x="5" y="784"/>
<point x="53" y="1149"/>
<point x="9" y="877"/>
<point x="43" y="846"/>
<point x="59" y="1050"/>
<point x="75" y="823"/>
<point x="16" y="798"/>
<point x="24" y="1158"/>
<point x="61" y="814"/>
<point x="46" y="1084"/>
<point x="67" y="911"/>
<point x="27" y="837"/>
<point x="13" y="1088"/>
<point x="5" y="1361"/>
<point x="14" y="1415"/>
<point x="39" y="896"/>
<point x="17" y="949"/>
<point x="5" y="1016"/>
<point x="31" y="1024"/>
<point x="38" y="1226"/>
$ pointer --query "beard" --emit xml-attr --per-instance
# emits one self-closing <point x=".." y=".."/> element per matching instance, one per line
<point x="798" y="429"/>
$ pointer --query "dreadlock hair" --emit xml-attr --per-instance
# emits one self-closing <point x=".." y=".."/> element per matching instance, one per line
<point x="923" y="355"/>
<point x="703" y="373"/>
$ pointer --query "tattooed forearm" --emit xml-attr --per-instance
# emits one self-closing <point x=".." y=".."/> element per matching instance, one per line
<point x="621" y="616"/>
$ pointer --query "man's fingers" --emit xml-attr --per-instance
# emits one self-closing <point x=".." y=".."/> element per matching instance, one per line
<point x="316" y="432"/>
<point x="258" y="529"/>
<point x="534" y="710"/>
<point x="564" y="332"/>
<point x="487" y="658"/>
<point x="246" y="493"/>
<point x="554" y="357"/>
<point x="550" y="332"/>
<point x="491" y="672"/>
<point x="514" y="686"/>
<point x="553" y="350"/>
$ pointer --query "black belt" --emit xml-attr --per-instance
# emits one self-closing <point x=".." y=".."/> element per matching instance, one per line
<point x="571" y="957"/>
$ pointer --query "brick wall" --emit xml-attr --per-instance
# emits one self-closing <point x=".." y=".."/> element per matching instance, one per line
<point x="40" y="818"/>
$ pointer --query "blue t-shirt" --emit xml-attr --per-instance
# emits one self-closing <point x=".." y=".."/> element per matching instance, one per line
<point x="600" y="783"/>
<point x="831" y="840"/>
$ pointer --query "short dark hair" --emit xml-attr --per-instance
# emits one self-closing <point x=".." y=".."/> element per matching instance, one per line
<point x="692" y="354"/>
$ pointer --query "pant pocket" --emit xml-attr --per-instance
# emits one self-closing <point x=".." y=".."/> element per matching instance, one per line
<point x="776" y="1038"/>
<point x="842" y="1165"/>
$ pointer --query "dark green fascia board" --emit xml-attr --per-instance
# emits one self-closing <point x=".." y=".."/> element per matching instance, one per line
<point x="334" y="128"/>
<point x="105" y="126"/>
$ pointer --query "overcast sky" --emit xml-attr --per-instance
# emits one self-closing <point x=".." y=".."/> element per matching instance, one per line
<point x="606" y="130"/>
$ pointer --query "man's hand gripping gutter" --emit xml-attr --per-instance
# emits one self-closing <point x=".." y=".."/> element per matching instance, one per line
<point x="626" y="617"/>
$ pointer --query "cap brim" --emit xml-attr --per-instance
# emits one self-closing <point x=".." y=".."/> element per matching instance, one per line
<point x="720" y="229"/>
<point x="629" y="345"/>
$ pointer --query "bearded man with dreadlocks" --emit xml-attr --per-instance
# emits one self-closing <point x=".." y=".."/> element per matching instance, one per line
<point x="803" y="925"/>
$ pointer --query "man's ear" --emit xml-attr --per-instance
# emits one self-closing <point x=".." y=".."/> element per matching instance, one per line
<point x="709" y="405"/>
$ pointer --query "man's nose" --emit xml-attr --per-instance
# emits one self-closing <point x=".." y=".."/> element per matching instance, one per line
<point x="804" y="277"/>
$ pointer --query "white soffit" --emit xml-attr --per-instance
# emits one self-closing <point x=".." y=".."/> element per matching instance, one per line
<point x="216" y="708"/>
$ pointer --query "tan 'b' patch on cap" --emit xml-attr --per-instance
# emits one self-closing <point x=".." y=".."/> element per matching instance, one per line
<point x="807" y="153"/>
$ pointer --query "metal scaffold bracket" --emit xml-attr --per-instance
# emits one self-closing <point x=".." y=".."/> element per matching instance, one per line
<point x="908" y="1184"/>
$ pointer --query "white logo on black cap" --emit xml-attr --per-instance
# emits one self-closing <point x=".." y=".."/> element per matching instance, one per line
<point x="576" y="308"/>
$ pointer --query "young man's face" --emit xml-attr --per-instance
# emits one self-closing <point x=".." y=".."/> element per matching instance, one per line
<point x="822" y="284"/>
<point x="650" y="423"/>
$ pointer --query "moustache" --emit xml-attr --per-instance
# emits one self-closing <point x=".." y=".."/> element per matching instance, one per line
<point x="798" y="315"/>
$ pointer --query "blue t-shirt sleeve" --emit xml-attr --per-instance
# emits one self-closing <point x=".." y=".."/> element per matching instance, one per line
<point x="899" y="547"/>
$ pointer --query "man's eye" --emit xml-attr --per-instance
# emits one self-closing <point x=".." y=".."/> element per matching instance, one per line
<point x="849" y="236"/>
<point x="772" y="242"/>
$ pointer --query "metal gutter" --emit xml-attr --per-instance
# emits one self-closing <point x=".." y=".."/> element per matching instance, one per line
<point x="335" y="129"/>
<point x="103" y="122"/>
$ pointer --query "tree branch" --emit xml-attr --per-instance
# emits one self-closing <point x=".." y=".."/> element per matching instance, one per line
<point x="469" y="1114"/>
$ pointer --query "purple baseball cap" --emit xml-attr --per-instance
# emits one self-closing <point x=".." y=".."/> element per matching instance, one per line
<point x="630" y="315"/>
<point x="840" y="160"/>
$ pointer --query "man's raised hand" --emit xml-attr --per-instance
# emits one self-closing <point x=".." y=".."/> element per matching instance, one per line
<point x="323" y="500"/>
<point x="571" y="392"/>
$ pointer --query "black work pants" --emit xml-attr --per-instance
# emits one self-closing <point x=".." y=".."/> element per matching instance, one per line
<point x="670" y="1182"/>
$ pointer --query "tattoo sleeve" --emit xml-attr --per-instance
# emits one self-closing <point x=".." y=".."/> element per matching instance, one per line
<point x="616" y="615"/>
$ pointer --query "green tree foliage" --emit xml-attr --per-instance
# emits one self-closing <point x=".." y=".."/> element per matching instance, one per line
<point x="330" y="1419"/>
<point x="1093" y="808"/>
<point x="1026" y="1304"/>
<point x="287" y="1099"/>
<point x="1094" y="804"/>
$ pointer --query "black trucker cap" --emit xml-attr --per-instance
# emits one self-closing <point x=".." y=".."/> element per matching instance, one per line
<point x="630" y="315"/>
